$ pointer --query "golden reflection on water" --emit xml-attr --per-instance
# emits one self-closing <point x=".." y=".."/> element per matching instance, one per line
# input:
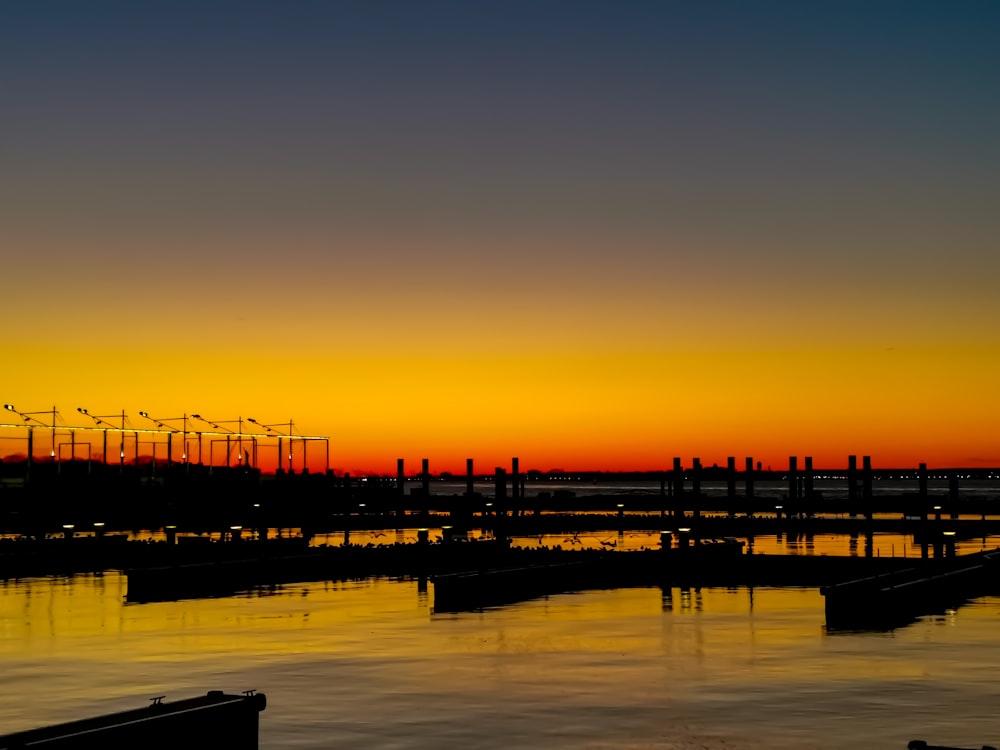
<point x="369" y="663"/>
<point x="62" y="616"/>
<point x="881" y="544"/>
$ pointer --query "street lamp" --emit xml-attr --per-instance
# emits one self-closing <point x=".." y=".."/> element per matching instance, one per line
<point x="160" y="423"/>
<point x="269" y="427"/>
<point x="99" y="420"/>
<point x="239" y="434"/>
<point x="27" y="416"/>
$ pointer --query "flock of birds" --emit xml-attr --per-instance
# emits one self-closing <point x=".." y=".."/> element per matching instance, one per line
<point x="575" y="539"/>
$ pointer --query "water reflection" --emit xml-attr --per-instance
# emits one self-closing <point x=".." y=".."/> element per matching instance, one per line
<point x="792" y="541"/>
<point x="365" y="662"/>
<point x="882" y="544"/>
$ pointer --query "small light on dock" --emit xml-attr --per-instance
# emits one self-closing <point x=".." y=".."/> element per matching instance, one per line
<point x="68" y="526"/>
<point x="99" y="524"/>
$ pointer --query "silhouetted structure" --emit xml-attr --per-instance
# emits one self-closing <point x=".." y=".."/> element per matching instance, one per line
<point x="500" y="490"/>
<point x="696" y="486"/>
<point x="515" y="484"/>
<point x="809" y="479"/>
<point x="866" y="483"/>
<point x="852" y="482"/>
<point x="731" y="481"/>
<point x="889" y="600"/>
<point x="208" y="722"/>
<point x="793" y="483"/>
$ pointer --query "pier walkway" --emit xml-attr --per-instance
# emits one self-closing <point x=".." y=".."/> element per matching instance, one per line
<point x="208" y="722"/>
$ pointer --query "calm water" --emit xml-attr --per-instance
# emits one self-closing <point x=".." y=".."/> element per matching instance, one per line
<point x="368" y="664"/>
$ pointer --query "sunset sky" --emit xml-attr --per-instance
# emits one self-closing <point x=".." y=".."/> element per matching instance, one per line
<point x="588" y="234"/>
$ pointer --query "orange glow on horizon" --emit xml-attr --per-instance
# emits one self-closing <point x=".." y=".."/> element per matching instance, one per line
<point x="612" y="407"/>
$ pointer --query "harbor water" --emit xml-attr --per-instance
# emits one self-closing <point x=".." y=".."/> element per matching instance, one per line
<point x="369" y="664"/>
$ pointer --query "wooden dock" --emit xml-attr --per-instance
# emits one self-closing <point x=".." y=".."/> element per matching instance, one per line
<point x="208" y="722"/>
<point x="899" y="597"/>
<point x="473" y="590"/>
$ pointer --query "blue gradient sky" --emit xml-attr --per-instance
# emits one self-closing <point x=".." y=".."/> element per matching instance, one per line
<point x="261" y="205"/>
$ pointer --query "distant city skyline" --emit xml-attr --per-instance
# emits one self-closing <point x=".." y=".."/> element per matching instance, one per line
<point x="594" y="235"/>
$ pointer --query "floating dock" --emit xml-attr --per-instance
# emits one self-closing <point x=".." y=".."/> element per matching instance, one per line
<point x="898" y="598"/>
<point x="456" y="592"/>
<point x="539" y="576"/>
<point x="208" y="722"/>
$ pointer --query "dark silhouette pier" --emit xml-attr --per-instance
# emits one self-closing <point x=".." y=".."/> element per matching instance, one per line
<point x="69" y="516"/>
<point x="46" y="498"/>
<point x="208" y="722"/>
<point x="896" y="598"/>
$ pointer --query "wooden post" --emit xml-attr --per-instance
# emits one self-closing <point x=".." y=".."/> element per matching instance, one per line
<point x="852" y="482"/>
<point x="866" y="479"/>
<point x="731" y="484"/>
<point x="793" y="480"/>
